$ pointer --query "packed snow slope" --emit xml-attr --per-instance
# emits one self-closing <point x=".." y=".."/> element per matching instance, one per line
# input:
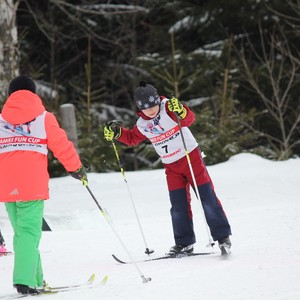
<point x="261" y="199"/>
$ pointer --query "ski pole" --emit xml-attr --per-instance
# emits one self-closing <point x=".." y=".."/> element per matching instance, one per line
<point x="210" y="240"/>
<point x="144" y="279"/>
<point x="148" y="251"/>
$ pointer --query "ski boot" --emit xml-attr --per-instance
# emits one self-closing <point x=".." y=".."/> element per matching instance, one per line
<point x="225" y="245"/>
<point x="25" y="289"/>
<point x="180" y="250"/>
<point x="3" y="249"/>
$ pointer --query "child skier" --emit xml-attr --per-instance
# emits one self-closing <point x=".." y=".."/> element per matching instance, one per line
<point x="27" y="131"/>
<point x="159" y="114"/>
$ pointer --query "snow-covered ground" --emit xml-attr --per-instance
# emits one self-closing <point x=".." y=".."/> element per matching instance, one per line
<point x="260" y="197"/>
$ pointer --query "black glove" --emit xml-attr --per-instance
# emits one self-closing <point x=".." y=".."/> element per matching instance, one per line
<point x="81" y="175"/>
<point x="112" y="130"/>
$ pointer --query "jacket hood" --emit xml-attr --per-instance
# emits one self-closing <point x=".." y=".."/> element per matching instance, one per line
<point x="21" y="107"/>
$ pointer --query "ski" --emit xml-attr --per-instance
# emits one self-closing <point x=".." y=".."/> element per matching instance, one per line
<point x="52" y="290"/>
<point x="6" y="253"/>
<point x="181" y="255"/>
<point x="89" y="282"/>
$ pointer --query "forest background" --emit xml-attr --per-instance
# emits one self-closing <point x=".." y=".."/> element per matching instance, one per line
<point x="235" y="63"/>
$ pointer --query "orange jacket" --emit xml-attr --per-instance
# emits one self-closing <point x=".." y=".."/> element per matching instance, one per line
<point x="23" y="155"/>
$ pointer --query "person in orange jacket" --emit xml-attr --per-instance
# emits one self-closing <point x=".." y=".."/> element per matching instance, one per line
<point x="27" y="132"/>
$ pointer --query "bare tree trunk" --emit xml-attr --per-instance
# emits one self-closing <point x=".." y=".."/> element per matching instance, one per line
<point x="9" y="64"/>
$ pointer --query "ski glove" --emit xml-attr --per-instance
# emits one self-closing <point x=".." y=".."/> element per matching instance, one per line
<point x="112" y="130"/>
<point x="176" y="106"/>
<point x="81" y="175"/>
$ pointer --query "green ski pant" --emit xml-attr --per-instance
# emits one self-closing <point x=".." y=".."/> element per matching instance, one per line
<point x="26" y="219"/>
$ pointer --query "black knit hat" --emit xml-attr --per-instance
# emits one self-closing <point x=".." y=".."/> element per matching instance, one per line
<point x="21" y="82"/>
<point x="146" y="96"/>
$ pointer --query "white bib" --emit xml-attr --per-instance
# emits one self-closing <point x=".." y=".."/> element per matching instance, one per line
<point x="26" y="137"/>
<point x="164" y="134"/>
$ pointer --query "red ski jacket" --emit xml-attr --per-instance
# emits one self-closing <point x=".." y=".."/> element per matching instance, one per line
<point x="133" y="136"/>
<point x="27" y="131"/>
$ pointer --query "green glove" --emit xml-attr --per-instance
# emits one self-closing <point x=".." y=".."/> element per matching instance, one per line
<point x="81" y="175"/>
<point x="176" y="106"/>
<point x="112" y="130"/>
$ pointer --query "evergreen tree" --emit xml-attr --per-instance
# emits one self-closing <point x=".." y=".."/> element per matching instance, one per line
<point x="94" y="54"/>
